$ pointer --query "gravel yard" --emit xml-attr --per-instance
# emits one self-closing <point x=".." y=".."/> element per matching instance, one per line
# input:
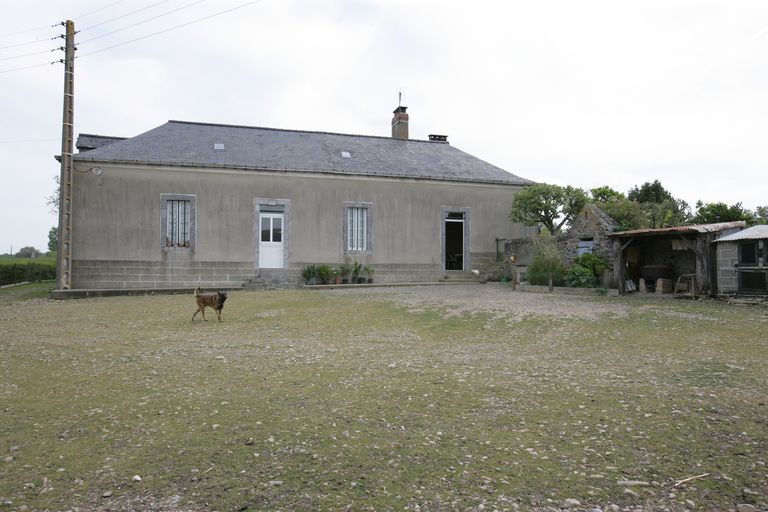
<point x="431" y="398"/>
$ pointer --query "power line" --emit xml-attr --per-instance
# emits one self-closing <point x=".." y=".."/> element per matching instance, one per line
<point x="143" y="21"/>
<point x="27" y="31"/>
<point x="29" y="42"/>
<point x="122" y="16"/>
<point x="98" y="10"/>
<point x="27" y="67"/>
<point x="171" y="28"/>
<point x="28" y="54"/>
<point x="27" y="141"/>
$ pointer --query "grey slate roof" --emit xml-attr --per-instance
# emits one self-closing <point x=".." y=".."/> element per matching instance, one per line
<point x="179" y="143"/>
<point x="753" y="233"/>
<point x="88" y="141"/>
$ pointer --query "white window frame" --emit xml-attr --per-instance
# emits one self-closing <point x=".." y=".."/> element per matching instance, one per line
<point x="357" y="228"/>
<point x="169" y="237"/>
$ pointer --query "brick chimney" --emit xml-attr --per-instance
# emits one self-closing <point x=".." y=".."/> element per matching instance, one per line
<point x="400" y="124"/>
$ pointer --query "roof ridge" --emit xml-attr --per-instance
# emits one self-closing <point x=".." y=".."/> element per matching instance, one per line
<point x="225" y="125"/>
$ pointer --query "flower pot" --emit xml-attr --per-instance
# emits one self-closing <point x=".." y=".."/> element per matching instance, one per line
<point x="370" y="280"/>
<point x="312" y="281"/>
<point x="345" y="280"/>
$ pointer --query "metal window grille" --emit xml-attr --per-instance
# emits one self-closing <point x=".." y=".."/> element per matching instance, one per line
<point x="357" y="224"/>
<point x="179" y="223"/>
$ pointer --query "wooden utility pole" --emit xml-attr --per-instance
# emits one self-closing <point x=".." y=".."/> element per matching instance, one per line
<point x="64" y="256"/>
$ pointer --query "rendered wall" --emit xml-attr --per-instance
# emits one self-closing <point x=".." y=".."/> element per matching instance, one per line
<point x="117" y="224"/>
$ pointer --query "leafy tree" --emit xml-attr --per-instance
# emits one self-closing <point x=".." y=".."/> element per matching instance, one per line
<point x="27" y="252"/>
<point x="605" y="193"/>
<point x="761" y="215"/>
<point x="53" y="239"/>
<point x="661" y="208"/>
<point x="627" y="214"/>
<point x="650" y="193"/>
<point x="52" y="201"/>
<point x="552" y="206"/>
<point x="707" y="213"/>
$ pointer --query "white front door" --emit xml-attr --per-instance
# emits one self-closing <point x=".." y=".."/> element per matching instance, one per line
<point x="271" y="248"/>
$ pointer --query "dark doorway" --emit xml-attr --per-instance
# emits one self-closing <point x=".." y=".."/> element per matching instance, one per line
<point x="454" y="241"/>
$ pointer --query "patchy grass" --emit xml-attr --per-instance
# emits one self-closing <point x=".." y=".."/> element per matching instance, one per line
<point x="28" y="291"/>
<point x="306" y="400"/>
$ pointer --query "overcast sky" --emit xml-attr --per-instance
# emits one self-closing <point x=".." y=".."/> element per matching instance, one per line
<point x="583" y="93"/>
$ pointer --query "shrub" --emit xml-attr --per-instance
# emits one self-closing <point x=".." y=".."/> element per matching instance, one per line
<point x="593" y="262"/>
<point x="546" y="267"/>
<point x="579" y="276"/>
<point x="30" y="271"/>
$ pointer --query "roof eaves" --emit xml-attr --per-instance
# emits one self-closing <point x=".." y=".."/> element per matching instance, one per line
<point x="85" y="158"/>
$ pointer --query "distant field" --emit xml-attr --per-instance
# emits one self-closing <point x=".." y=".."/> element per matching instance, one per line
<point x="425" y="398"/>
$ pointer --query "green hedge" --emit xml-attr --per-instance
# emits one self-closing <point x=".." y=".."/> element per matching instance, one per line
<point x="17" y="272"/>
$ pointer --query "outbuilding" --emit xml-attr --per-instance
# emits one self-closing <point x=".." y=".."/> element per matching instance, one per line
<point x="742" y="262"/>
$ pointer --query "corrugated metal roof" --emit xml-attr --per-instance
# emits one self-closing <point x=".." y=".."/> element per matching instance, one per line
<point x="753" y="233"/>
<point x="179" y="143"/>
<point x="694" y="228"/>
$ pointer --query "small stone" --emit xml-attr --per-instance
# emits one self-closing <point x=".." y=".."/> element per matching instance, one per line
<point x="249" y="442"/>
<point x="8" y="458"/>
<point x="107" y="494"/>
<point x="632" y="482"/>
<point x="14" y="448"/>
<point x="631" y="493"/>
<point x="136" y="478"/>
<point x="8" y="503"/>
<point x="749" y="491"/>
<point x="690" y="504"/>
<point x="745" y="507"/>
<point x="613" y="507"/>
<point x="596" y="509"/>
<point x="275" y="483"/>
<point x="392" y="365"/>
<point x="570" y="502"/>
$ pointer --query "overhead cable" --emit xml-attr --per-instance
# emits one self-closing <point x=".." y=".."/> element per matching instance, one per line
<point x="141" y="22"/>
<point x="171" y="28"/>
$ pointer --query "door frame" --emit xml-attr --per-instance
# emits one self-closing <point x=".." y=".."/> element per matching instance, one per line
<point x="267" y="203"/>
<point x="444" y="211"/>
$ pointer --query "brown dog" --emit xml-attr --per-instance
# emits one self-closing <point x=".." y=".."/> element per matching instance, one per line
<point x="213" y="300"/>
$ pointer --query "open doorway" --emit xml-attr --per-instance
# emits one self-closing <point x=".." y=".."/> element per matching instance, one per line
<point x="454" y="240"/>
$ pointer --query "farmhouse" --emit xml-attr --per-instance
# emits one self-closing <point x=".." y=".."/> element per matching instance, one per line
<point x="193" y="204"/>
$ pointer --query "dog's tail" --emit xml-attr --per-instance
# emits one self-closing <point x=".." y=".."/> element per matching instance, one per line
<point x="197" y="291"/>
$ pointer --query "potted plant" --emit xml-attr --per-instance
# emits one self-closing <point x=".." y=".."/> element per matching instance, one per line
<point x="309" y="273"/>
<point x="369" y="272"/>
<point x="344" y="270"/>
<point x="336" y="276"/>
<point x="323" y="273"/>
<point x="356" y="268"/>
